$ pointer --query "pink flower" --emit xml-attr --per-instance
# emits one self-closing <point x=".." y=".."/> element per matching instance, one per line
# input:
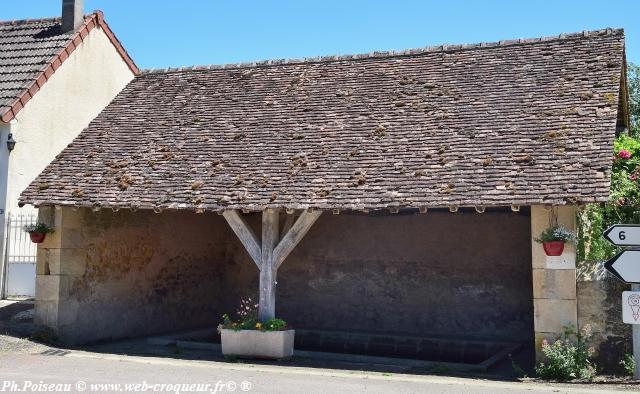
<point x="633" y="177"/>
<point x="624" y="154"/>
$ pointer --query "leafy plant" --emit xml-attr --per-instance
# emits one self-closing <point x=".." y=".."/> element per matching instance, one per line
<point x="38" y="227"/>
<point x="274" y="324"/>
<point x="633" y="83"/>
<point x="624" y="202"/>
<point x="568" y="357"/>
<point x="556" y="233"/>
<point x="628" y="364"/>
<point x="246" y="318"/>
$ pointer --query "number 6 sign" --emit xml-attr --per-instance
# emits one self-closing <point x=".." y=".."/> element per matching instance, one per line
<point x="623" y="234"/>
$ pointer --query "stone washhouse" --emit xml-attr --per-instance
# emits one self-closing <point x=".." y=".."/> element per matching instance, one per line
<point x="394" y="193"/>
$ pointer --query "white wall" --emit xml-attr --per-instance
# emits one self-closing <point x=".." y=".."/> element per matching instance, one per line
<point x="5" y="129"/>
<point x="75" y="94"/>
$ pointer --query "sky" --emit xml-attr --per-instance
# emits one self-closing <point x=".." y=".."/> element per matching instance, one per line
<point x="169" y="33"/>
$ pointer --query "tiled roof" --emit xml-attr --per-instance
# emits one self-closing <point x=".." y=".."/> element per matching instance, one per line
<point x="516" y="122"/>
<point x="31" y="51"/>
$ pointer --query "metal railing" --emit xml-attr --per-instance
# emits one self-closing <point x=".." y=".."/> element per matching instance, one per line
<point x="18" y="248"/>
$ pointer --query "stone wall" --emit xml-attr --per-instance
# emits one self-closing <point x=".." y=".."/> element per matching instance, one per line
<point x="465" y="274"/>
<point x="554" y="278"/>
<point x="599" y="306"/>
<point x="112" y="275"/>
<point x="106" y="275"/>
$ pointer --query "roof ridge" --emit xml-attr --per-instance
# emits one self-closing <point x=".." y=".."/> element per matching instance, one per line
<point x="29" y="20"/>
<point x="45" y="19"/>
<point x="30" y="88"/>
<point x="393" y="53"/>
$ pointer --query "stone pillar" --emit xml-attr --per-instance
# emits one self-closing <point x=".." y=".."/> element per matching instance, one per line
<point x="554" y="278"/>
<point x="61" y="262"/>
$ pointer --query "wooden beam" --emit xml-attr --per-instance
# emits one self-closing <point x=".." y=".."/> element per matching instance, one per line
<point x="268" y="270"/>
<point x="267" y="256"/>
<point x="294" y="236"/>
<point x="245" y="234"/>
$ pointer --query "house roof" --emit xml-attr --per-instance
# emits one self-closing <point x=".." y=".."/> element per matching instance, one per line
<point x="32" y="50"/>
<point x="515" y="122"/>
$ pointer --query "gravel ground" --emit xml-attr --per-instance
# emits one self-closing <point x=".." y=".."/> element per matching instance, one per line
<point x="16" y="326"/>
<point x="9" y="344"/>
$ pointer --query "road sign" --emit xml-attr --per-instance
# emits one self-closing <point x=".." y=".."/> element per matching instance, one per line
<point x="631" y="307"/>
<point x="625" y="265"/>
<point x="623" y="234"/>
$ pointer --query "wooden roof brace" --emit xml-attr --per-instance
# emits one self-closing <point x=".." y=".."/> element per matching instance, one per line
<point x="272" y="249"/>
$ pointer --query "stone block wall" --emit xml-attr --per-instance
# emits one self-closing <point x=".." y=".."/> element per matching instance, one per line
<point x="105" y="274"/>
<point x="599" y="306"/>
<point x="464" y="275"/>
<point x="554" y="278"/>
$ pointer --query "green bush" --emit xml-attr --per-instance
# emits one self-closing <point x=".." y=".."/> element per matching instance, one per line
<point x="568" y="357"/>
<point x="628" y="364"/>
<point x="623" y="205"/>
<point x="274" y="324"/>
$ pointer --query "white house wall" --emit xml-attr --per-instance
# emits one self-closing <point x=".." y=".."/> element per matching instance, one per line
<point x="85" y="83"/>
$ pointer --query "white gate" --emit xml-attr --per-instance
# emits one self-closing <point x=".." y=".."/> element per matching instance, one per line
<point x="20" y="257"/>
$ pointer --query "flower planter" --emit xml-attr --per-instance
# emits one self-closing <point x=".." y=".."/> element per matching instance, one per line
<point x="257" y="344"/>
<point x="37" y="237"/>
<point x="553" y="248"/>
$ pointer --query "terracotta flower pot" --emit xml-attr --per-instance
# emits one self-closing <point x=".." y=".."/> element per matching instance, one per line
<point x="553" y="248"/>
<point x="37" y="237"/>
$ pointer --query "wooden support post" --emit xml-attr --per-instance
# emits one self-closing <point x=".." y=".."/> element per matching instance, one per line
<point x="268" y="270"/>
<point x="269" y="254"/>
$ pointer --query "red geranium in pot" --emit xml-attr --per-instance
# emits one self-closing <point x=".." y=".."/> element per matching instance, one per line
<point x="554" y="238"/>
<point x="38" y="231"/>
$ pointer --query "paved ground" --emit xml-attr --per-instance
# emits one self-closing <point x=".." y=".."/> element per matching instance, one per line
<point x="91" y="372"/>
<point x="25" y="364"/>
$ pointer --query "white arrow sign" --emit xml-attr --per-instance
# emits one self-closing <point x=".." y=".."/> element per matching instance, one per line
<point x="623" y="234"/>
<point x="625" y="265"/>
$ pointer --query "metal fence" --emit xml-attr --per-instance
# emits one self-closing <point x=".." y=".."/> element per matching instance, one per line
<point x="20" y="256"/>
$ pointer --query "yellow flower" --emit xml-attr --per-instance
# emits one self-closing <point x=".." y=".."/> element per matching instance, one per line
<point x="258" y="325"/>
